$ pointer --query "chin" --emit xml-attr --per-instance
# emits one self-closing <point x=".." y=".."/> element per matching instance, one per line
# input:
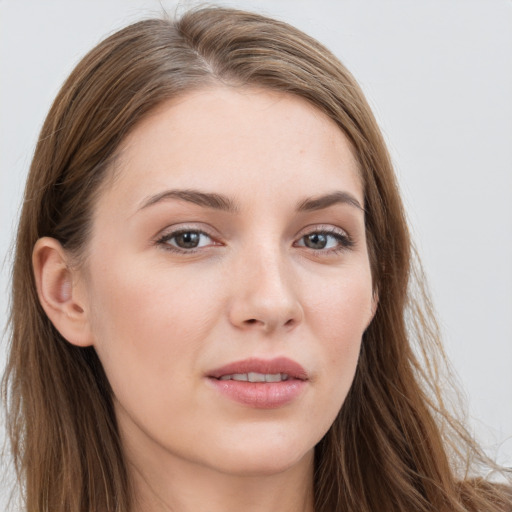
<point x="264" y="458"/>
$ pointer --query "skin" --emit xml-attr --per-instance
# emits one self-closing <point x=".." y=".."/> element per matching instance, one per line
<point x="161" y="320"/>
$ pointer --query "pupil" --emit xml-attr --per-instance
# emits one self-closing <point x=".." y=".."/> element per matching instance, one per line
<point x="187" y="240"/>
<point x="316" y="241"/>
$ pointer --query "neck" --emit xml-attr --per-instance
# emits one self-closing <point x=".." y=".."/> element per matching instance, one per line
<point x="192" y="490"/>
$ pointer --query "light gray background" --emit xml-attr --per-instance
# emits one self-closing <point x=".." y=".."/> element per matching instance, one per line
<point x="438" y="74"/>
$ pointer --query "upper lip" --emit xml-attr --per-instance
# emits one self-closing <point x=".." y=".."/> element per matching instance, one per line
<point x="266" y="366"/>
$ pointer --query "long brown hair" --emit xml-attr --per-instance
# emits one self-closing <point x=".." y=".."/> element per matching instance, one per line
<point x="393" y="445"/>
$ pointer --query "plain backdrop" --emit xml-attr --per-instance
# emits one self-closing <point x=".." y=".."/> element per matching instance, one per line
<point x="438" y="74"/>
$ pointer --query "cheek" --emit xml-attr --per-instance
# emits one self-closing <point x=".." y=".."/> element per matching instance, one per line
<point x="341" y="307"/>
<point x="148" y="324"/>
<point x="339" y="315"/>
<point x="142" y="297"/>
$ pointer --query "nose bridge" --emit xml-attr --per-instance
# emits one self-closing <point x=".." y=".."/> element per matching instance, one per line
<point x="271" y="272"/>
<point x="265" y="296"/>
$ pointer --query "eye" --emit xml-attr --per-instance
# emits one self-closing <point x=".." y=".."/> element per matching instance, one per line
<point x="185" y="240"/>
<point x="326" y="241"/>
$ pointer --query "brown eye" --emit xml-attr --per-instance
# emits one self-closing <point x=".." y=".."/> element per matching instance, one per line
<point x="187" y="240"/>
<point x="316" y="240"/>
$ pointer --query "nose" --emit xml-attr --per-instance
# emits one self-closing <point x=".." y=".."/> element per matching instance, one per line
<point x="264" y="294"/>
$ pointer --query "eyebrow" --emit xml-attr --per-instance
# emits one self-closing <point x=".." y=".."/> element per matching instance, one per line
<point x="324" y="201"/>
<point x="224" y="203"/>
<point x="205" y="199"/>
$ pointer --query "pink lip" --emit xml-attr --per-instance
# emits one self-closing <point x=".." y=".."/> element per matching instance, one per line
<point x="261" y="395"/>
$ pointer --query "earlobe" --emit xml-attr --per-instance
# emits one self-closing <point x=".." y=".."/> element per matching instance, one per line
<point x="60" y="295"/>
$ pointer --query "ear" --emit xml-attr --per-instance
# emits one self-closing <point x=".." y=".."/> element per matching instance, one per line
<point x="61" y="294"/>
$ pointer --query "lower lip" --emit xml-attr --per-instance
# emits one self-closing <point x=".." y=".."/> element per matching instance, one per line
<point x="260" y="395"/>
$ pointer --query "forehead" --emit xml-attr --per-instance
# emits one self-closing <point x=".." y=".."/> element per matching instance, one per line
<point x="238" y="141"/>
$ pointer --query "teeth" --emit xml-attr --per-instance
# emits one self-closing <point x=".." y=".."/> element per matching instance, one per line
<point x="273" y="377"/>
<point x="235" y="376"/>
<point x="256" y="377"/>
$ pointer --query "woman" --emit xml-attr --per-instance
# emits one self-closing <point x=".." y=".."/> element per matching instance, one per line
<point x="211" y="298"/>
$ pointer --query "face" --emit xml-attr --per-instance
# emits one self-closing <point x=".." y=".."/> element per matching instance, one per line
<point x="228" y="281"/>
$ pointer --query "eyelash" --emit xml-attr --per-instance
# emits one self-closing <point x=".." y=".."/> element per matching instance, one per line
<point x="344" y="241"/>
<point x="164" y="240"/>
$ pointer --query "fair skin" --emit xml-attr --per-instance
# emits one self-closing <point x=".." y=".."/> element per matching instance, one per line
<point x="172" y="291"/>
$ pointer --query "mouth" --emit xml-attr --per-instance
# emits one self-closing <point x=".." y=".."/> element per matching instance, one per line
<point x="260" y="383"/>
<point x="261" y="370"/>
<point x="256" y="377"/>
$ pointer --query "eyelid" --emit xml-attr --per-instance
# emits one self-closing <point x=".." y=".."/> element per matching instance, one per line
<point x="323" y="228"/>
<point x="345" y="241"/>
<point x="163" y="237"/>
<point x="181" y="227"/>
